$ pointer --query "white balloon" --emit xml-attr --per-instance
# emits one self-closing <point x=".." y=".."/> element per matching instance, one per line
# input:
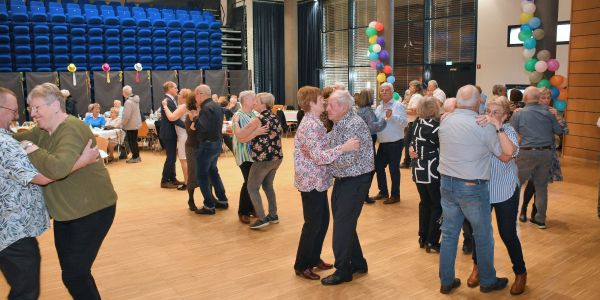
<point x="541" y="66"/>
<point x="528" y="7"/>
<point x="528" y="53"/>
<point x="372" y="24"/>
<point x="376" y="48"/>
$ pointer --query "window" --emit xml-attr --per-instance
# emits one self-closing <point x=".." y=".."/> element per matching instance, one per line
<point x="563" y="31"/>
<point x="408" y="42"/>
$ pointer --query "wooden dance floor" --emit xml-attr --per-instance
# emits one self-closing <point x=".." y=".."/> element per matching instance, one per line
<point x="158" y="249"/>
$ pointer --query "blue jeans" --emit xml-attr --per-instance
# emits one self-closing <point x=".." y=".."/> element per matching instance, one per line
<point x="206" y="167"/>
<point x="466" y="199"/>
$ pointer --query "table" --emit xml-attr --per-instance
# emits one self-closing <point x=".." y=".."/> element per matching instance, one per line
<point x="150" y="123"/>
<point x="291" y="115"/>
<point x="117" y="135"/>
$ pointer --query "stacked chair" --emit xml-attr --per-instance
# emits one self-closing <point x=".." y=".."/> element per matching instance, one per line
<point x="41" y="36"/>
<point x="60" y="38"/>
<point x="21" y="37"/>
<point x="216" y="42"/>
<point x="5" y="41"/>
<point x="77" y="35"/>
<point x="202" y="40"/>
<point x="143" y="36"/>
<point x="188" y="38"/>
<point x="159" y="39"/>
<point x="112" y="36"/>
<point x="173" y="39"/>
<point x="128" y="38"/>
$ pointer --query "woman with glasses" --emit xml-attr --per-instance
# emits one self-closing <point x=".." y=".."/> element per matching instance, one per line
<point x="504" y="194"/>
<point x="82" y="203"/>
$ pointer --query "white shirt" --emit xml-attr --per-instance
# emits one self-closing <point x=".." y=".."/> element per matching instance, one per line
<point x="439" y="94"/>
<point x="412" y="104"/>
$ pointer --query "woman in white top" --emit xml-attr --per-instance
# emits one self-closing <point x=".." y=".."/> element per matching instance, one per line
<point x="415" y="89"/>
<point x="180" y="113"/>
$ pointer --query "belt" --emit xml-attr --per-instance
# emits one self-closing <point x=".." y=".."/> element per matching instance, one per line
<point x="473" y="181"/>
<point x="536" y="148"/>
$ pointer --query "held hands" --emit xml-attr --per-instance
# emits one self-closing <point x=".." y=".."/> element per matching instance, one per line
<point x="28" y="146"/>
<point x="351" y="145"/>
<point x="164" y="102"/>
<point x="412" y="153"/>
<point x="261" y="130"/>
<point x="486" y="119"/>
<point x="388" y="113"/>
<point x="90" y="154"/>
<point x="235" y="119"/>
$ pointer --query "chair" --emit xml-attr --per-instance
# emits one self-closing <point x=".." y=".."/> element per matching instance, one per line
<point x="148" y="139"/>
<point x="284" y="124"/>
<point x="102" y="145"/>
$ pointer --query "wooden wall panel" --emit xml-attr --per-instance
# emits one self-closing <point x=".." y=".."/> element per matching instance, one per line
<point x="583" y="105"/>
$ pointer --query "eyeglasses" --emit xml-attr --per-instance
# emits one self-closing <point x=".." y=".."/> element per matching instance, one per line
<point x="13" y="110"/>
<point x="494" y="112"/>
<point x="34" y="109"/>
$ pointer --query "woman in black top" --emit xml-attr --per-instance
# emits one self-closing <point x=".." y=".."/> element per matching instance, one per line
<point x="425" y="151"/>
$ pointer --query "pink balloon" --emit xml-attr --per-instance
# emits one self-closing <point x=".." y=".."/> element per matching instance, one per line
<point x="541" y="66"/>
<point x="374" y="64"/>
<point x="553" y="65"/>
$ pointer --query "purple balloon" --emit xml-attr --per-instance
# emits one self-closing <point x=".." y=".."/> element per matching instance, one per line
<point x="553" y="65"/>
<point x="383" y="55"/>
<point x="381" y="41"/>
<point x="379" y="66"/>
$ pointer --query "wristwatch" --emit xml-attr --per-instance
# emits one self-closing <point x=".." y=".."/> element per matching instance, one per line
<point x="27" y="145"/>
<point x="500" y="130"/>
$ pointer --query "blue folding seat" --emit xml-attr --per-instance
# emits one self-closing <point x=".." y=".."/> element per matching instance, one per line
<point x="174" y="43"/>
<point x="60" y="49"/>
<point x="78" y="40"/>
<point x="145" y="60"/>
<point x="203" y="51"/>
<point x="216" y="52"/>
<point x="159" y="50"/>
<point x="95" y="50"/>
<point x="128" y="42"/>
<point x="202" y="35"/>
<point x="112" y="50"/>
<point x="174" y="50"/>
<point x="80" y="31"/>
<point x="188" y="51"/>
<point x="128" y="62"/>
<point x="129" y="49"/>
<point x="144" y="42"/>
<point x="18" y="13"/>
<point x="125" y="16"/>
<point x="127" y="32"/>
<point x="59" y="28"/>
<point x="155" y="18"/>
<point x="95" y="40"/>
<point x="169" y="17"/>
<point x="159" y="42"/>
<point x="144" y="32"/>
<point x="189" y="63"/>
<point x="21" y="29"/>
<point x="184" y="17"/>
<point x="109" y="16"/>
<point x="144" y="50"/>
<point x="78" y="49"/>
<point x="22" y="59"/>
<point x="74" y="14"/>
<point x="188" y="34"/>
<point x="216" y="44"/>
<point x="159" y="33"/>
<point x="3" y="12"/>
<point x="216" y="35"/>
<point x="41" y="39"/>
<point x="39" y="28"/>
<point x="37" y="11"/>
<point x="92" y="17"/>
<point x="203" y="43"/>
<point x="203" y="60"/>
<point x="56" y="13"/>
<point x="22" y="49"/>
<point x="111" y="32"/>
<point x="174" y="34"/>
<point x="141" y="19"/>
<point x="188" y="43"/>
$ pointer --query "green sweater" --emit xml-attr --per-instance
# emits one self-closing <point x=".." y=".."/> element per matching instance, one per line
<point x="75" y="195"/>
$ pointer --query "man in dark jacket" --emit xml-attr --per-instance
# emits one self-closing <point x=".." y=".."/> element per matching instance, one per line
<point x="169" y="138"/>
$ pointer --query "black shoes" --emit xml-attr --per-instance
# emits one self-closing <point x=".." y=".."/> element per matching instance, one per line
<point x="467" y="247"/>
<point x="205" y="211"/>
<point x="363" y="270"/>
<point x="523" y="218"/>
<point x="335" y="279"/>
<point x="369" y="200"/>
<point x="446" y="289"/>
<point x="260" y="223"/>
<point x="222" y="205"/>
<point x="192" y="205"/>
<point x="405" y="165"/>
<point x="498" y="285"/>
<point x="432" y="247"/>
<point x="540" y="225"/>
<point x="421" y="242"/>
<point x="182" y="187"/>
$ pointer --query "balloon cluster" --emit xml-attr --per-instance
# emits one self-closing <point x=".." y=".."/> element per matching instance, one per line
<point x="529" y="34"/>
<point x="379" y="56"/>
<point x="106" y="68"/>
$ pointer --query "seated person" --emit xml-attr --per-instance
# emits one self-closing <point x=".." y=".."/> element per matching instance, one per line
<point x="115" y="120"/>
<point x="95" y="120"/>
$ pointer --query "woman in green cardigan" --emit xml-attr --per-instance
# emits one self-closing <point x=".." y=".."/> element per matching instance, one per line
<point x="82" y="203"/>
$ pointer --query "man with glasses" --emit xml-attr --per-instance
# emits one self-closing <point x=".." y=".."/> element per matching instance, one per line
<point x="168" y="136"/>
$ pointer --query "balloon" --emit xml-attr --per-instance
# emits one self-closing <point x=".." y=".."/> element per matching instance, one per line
<point x="391" y="79"/>
<point x="528" y="7"/>
<point x="371" y="31"/>
<point x="526" y="28"/>
<point x="374" y="64"/>
<point x="105" y="67"/>
<point x="539" y="34"/>
<point x="396" y="96"/>
<point x="530" y="64"/>
<point x="371" y="48"/>
<point x="379" y="66"/>
<point x="376" y="48"/>
<point x="383" y="55"/>
<point x="544" y="83"/>
<point x="543" y="55"/>
<point x="555" y="92"/>
<point x="373" y="56"/>
<point x="72" y="68"/>
<point x="380" y="41"/>
<point x="387" y="70"/>
<point x="380" y="77"/>
<point x="528" y="53"/>
<point x="525" y="17"/>
<point x="523" y="35"/>
<point x="535" y="22"/>
<point x="372" y="40"/>
<point x="372" y="24"/>
<point x="535" y="77"/>
<point x="563" y="94"/>
<point x="137" y="67"/>
<point x="553" y="65"/>
<point x="541" y="66"/>
<point x="557" y="80"/>
<point x="379" y="26"/>
<point x="559" y="105"/>
<point x="529" y="43"/>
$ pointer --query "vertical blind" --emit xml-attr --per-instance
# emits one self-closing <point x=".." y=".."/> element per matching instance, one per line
<point x="409" y="35"/>
<point x="451" y="28"/>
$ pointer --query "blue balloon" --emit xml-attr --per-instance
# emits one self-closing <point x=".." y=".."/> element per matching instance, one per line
<point x="525" y="27"/>
<point x="529" y="43"/>
<point x="559" y="105"/>
<point x="379" y="66"/>
<point x="555" y="92"/>
<point x="391" y="79"/>
<point x="535" y="22"/>
<point x="375" y="56"/>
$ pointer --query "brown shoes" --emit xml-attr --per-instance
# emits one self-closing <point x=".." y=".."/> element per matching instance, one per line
<point x="323" y="265"/>
<point x="473" y="280"/>
<point x="379" y="197"/>
<point x="308" y="274"/>
<point x="518" y="286"/>
<point x="392" y="200"/>
<point x="168" y="185"/>
<point x="244" y="219"/>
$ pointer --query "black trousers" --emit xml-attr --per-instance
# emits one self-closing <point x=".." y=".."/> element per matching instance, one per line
<point x="77" y="243"/>
<point x="506" y="219"/>
<point x="347" y="200"/>
<point x="132" y="136"/>
<point x="168" y="173"/>
<point x="389" y="155"/>
<point x="430" y="211"/>
<point x="316" y="221"/>
<point x="246" y="206"/>
<point x="20" y="264"/>
<point x="528" y="194"/>
<point x="407" y="140"/>
<point x="374" y="139"/>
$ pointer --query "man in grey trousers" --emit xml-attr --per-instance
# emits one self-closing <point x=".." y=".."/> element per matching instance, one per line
<point x="537" y="126"/>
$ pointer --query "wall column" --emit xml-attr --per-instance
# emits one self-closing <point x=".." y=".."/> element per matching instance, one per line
<point x="290" y="37"/>
<point x="547" y="11"/>
<point x="250" y="38"/>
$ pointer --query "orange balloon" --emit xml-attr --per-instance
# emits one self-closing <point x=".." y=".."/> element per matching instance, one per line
<point x="557" y="80"/>
<point x="563" y="94"/>
<point x="379" y="26"/>
<point x="563" y="85"/>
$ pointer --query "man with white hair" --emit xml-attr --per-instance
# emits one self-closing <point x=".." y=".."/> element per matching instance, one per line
<point x="537" y="126"/>
<point x="339" y="86"/>
<point x="131" y="122"/>
<point x="352" y="173"/>
<point x="465" y="152"/>
<point x="434" y="90"/>
<point x="391" y="143"/>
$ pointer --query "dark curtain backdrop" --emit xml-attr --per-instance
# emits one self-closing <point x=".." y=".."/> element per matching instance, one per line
<point x="80" y="89"/>
<point x="14" y="82"/>
<point x="309" y="43"/>
<point x="141" y="88"/>
<point x="268" y="49"/>
<point x="106" y="93"/>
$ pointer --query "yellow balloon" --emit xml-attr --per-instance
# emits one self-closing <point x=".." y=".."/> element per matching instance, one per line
<point x="525" y="17"/>
<point x="373" y="40"/>
<point x="72" y="68"/>
<point x="381" y="77"/>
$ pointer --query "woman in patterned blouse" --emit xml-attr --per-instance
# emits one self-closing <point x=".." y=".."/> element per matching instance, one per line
<point x="312" y="178"/>
<point x="267" y="156"/>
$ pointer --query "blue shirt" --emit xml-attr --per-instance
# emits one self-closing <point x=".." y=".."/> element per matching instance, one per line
<point x="95" y="122"/>
<point x="536" y="125"/>
<point x="504" y="176"/>
<point x="394" y="130"/>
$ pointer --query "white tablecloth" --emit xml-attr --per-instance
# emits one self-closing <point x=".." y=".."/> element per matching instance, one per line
<point x="291" y="115"/>
<point x="117" y="135"/>
<point x="150" y="124"/>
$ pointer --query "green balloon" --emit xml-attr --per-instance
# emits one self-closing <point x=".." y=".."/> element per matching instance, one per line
<point x="530" y="64"/>
<point x="371" y="48"/>
<point x="523" y="35"/>
<point x="544" y="83"/>
<point x="371" y="32"/>
<point x="396" y="96"/>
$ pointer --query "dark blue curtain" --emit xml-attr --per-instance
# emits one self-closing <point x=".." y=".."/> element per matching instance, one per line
<point x="309" y="43"/>
<point x="268" y="49"/>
